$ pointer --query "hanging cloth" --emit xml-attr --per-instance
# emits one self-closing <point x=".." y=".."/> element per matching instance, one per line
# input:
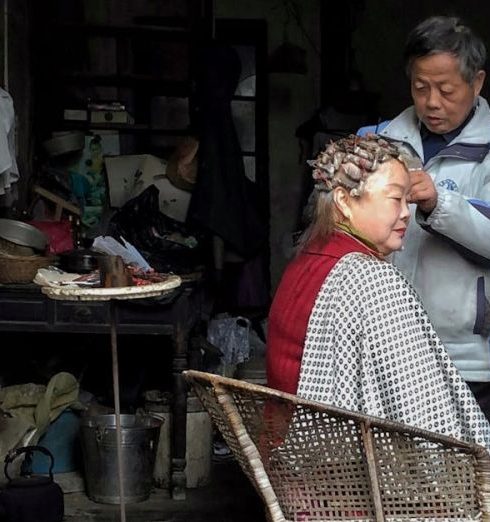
<point x="9" y="172"/>
<point x="224" y="200"/>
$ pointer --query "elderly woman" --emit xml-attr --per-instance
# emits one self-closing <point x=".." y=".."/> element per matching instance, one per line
<point x="345" y="326"/>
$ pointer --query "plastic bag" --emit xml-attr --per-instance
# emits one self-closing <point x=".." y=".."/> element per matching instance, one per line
<point x="59" y="235"/>
<point x="230" y="335"/>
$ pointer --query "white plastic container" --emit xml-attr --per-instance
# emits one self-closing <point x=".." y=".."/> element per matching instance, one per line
<point x="199" y="446"/>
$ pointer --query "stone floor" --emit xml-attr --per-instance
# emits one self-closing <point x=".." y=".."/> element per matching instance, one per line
<point x="229" y="497"/>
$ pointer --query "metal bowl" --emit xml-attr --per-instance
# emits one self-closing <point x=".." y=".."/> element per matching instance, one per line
<point x="23" y="234"/>
<point x="79" y="261"/>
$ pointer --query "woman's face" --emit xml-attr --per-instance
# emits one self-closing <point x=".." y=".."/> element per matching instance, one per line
<point x="381" y="213"/>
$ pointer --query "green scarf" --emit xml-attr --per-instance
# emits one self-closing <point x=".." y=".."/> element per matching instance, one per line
<point x="355" y="233"/>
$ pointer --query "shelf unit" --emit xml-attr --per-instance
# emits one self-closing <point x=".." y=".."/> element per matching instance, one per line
<point x="139" y="56"/>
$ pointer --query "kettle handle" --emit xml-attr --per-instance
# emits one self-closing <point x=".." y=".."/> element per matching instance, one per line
<point x="13" y="454"/>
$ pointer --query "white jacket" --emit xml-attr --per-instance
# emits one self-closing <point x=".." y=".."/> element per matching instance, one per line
<point x="447" y="254"/>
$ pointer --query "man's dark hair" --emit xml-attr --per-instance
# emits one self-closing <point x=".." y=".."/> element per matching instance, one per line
<point x="446" y="34"/>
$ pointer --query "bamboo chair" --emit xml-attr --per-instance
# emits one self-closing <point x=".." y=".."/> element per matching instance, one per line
<point x="313" y="462"/>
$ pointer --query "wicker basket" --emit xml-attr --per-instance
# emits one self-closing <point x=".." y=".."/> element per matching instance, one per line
<point x="21" y="269"/>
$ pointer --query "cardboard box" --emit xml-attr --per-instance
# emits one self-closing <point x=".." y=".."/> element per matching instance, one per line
<point x="75" y="114"/>
<point x="111" y="117"/>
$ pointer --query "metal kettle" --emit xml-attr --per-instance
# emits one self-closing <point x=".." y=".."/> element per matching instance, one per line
<point x="31" y="498"/>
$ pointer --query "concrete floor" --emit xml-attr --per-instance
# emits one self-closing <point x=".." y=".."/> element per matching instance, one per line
<point x="229" y="497"/>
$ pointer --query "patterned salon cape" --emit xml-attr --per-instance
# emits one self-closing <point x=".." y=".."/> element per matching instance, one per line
<point x="370" y="347"/>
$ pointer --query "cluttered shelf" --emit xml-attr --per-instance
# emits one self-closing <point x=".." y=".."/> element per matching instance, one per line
<point x="113" y="137"/>
<point x="138" y="57"/>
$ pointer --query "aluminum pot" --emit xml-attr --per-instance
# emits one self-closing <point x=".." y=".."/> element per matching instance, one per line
<point x="23" y="234"/>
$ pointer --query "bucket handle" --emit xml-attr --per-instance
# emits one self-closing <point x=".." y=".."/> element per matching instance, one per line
<point x="100" y="432"/>
<point x="13" y="454"/>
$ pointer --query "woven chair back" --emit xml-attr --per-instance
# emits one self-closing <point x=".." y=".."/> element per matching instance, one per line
<point x="311" y="462"/>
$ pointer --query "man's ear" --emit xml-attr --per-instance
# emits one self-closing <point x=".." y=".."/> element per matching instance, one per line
<point x="342" y="202"/>
<point x="478" y="82"/>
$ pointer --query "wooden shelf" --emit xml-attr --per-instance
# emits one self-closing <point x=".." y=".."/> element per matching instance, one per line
<point x="244" y="98"/>
<point x="175" y="33"/>
<point x="170" y="87"/>
<point x="121" y="127"/>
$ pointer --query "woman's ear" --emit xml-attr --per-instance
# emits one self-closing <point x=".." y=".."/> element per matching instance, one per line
<point x="342" y="202"/>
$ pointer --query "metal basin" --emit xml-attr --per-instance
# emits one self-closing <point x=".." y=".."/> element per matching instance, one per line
<point x="139" y="442"/>
<point x="23" y="234"/>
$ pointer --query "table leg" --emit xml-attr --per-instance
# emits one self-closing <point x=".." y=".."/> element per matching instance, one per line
<point x="179" y="364"/>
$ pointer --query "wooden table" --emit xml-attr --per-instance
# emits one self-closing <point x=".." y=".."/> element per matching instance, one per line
<point x="24" y="308"/>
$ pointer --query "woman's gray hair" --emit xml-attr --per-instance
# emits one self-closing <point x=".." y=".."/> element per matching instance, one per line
<point x="349" y="161"/>
<point x="446" y="34"/>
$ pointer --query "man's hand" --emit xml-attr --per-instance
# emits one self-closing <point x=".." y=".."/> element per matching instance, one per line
<point x="423" y="191"/>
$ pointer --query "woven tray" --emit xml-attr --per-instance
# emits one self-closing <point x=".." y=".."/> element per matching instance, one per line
<point x="21" y="269"/>
<point x="105" y="294"/>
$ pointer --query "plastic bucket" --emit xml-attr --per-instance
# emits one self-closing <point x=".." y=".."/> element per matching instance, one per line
<point x="62" y="439"/>
<point x="139" y="441"/>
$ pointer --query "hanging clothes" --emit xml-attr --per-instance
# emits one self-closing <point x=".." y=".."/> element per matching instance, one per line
<point x="224" y="200"/>
<point x="9" y="172"/>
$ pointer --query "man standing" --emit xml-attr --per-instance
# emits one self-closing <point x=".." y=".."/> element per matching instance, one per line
<point x="447" y="252"/>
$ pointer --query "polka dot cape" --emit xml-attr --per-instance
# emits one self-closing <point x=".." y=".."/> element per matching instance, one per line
<point x="370" y="347"/>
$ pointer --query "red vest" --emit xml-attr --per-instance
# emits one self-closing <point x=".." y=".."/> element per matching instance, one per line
<point x="292" y="306"/>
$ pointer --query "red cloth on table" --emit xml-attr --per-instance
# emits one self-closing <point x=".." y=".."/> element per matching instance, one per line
<point x="59" y="234"/>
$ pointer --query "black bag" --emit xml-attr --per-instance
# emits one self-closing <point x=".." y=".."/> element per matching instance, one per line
<point x="31" y="498"/>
